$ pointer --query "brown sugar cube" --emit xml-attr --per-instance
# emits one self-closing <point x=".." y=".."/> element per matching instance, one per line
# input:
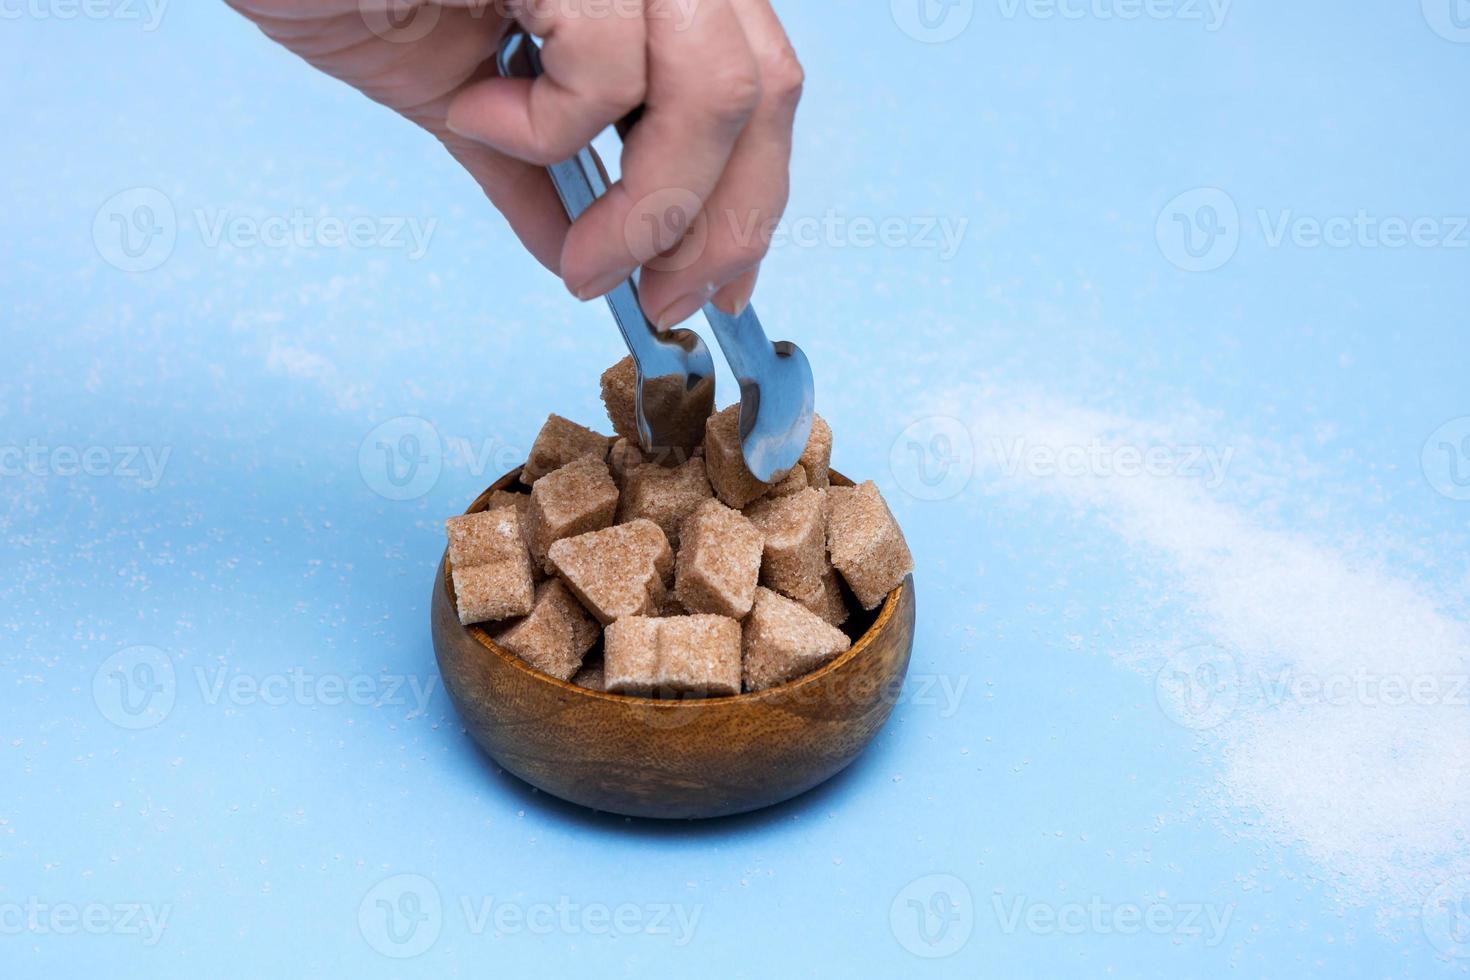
<point x="682" y="408"/>
<point x="590" y="677"/>
<point x="733" y="482"/>
<point x="719" y="561"/>
<point x="795" y="481"/>
<point x="575" y="499"/>
<point x="816" y="458"/>
<point x="522" y="504"/>
<point x="559" y="442"/>
<point x="619" y="571"/>
<point x="481" y="537"/>
<point x="556" y="635"/>
<point x="664" y="495"/>
<point x="795" y="552"/>
<point x="484" y="593"/>
<point x="490" y="566"/>
<point x="866" y="543"/>
<point x="622" y="457"/>
<point x="620" y="395"/>
<point x="666" y="397"/>
<point x="681" y="655"/>
<point x="783" y="641"/>
<point x="505" y="498"/>
<point x="826" y="601"/>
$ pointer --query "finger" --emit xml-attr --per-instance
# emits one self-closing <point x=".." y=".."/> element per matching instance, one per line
<point x="594" y="69"/>
<point x="733" y="232"/>
<point x="735" y="295"/>
<point x="703" y="84"/>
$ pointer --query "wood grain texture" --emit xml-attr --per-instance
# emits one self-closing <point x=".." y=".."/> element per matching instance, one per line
<point x="672" y="758"/>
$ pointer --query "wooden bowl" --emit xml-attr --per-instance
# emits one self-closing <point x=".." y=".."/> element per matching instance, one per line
<point x="646" y="757"/>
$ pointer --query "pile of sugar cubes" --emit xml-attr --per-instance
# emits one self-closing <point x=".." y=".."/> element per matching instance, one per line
<point x="697" y="578"/>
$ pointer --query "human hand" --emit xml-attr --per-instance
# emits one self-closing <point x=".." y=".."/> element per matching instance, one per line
<point x="704" y="173"/>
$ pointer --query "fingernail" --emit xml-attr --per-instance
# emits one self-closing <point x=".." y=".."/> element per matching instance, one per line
<point x="734" y="298"/>
<point x="598" y="285"/>
<point x="682" y="309"/>
<point x="454" y="122"/>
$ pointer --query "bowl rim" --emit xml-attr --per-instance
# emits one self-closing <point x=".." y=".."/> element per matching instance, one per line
<point x="482" y="636"/>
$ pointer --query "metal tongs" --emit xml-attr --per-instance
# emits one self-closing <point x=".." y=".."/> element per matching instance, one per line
<point x="676" y="376"/>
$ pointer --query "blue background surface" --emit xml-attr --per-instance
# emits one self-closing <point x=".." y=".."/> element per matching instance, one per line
<point x="1031" y="758"/>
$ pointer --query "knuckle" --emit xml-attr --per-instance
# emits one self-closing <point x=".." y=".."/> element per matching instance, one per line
<point x="621" y="94"/>
<point x="782" y="76"/>
<point x="734" y="93"/>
